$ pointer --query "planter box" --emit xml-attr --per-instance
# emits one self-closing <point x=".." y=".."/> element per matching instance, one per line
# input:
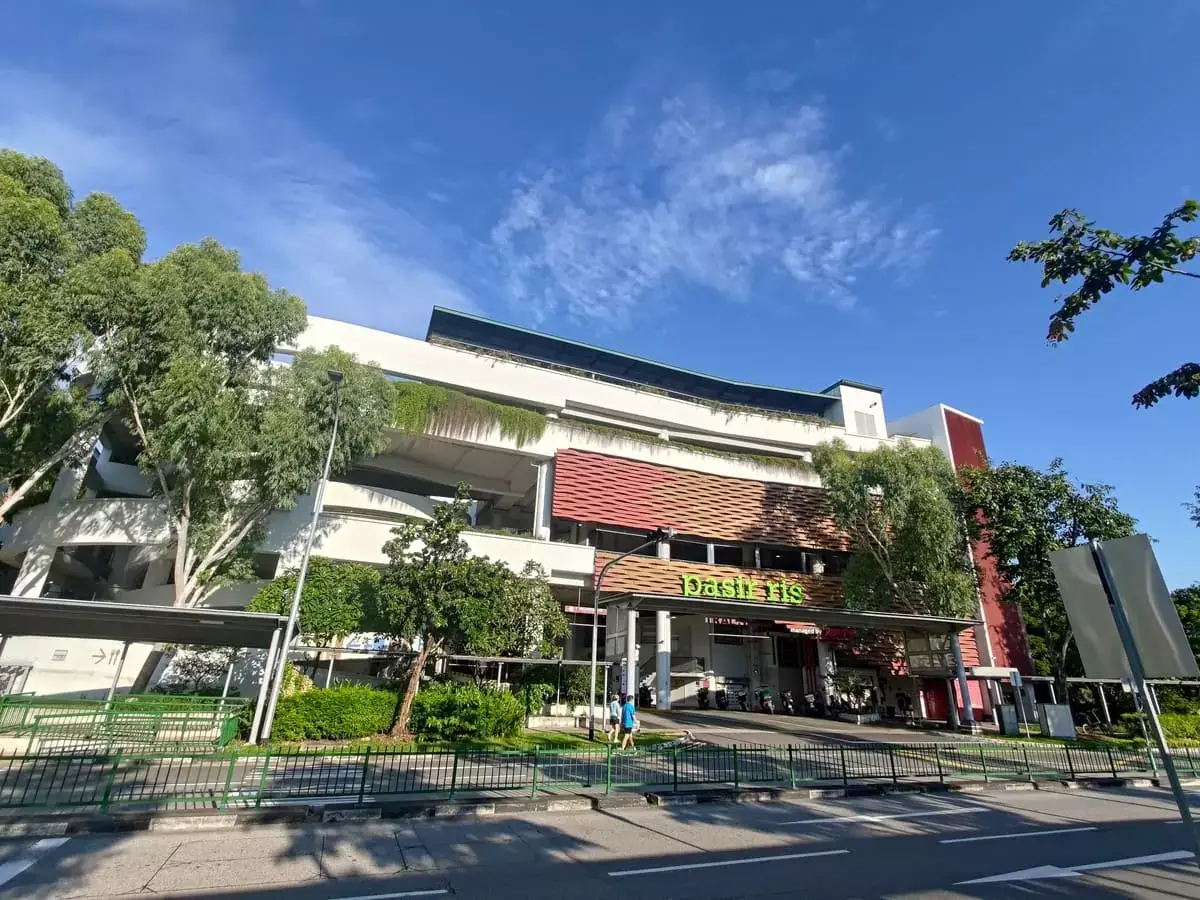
<point x="859" y="718"/>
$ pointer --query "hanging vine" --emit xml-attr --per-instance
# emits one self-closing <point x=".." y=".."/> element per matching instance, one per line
<point x="423" y="408"/>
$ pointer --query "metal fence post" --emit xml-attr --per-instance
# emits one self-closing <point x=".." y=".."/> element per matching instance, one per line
<point x="675" y="768"/>
<point x="262" y="778"/>
<point x="983" y="764"/>
<point x="791" y="767"/>
<point x="454" y="774"/>
<point x="233" y="758"/>
<point x="845" y="773"/>
<point x="1070" y="762"/>
<point x="112" y="780"/>
<point x="1187" y="751"/>
<point x="1112" y="763"/>
<point x="937" y="758"/>
<point x="892" y="762"/>
<point x="608" y="771"/>
<point x="1028" y="767"/>
<point x="533" y="790"/>
<point x="737" y="778"/>
<point x="362" y="782"/>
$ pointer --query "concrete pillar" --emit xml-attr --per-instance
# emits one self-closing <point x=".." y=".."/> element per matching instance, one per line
<point x="961" y="672"/>
<point x="631" y="653"/>
<point x="158" y="572"/>
<point x="662" y="640"/>
<point x="542" y="497"/>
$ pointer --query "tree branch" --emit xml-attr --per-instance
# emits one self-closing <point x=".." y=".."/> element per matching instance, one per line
<point x="1125" y="256"/>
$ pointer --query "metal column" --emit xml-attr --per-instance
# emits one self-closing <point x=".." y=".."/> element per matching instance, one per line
<point x="662" y="661"/>
<point x="268" y="671"/>
<point x="112" y="688"/>
<point x="961" y="672"/>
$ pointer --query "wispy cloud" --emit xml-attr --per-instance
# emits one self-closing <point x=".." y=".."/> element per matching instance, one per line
<point x="698" y="190"/>
<point x="193" y="147"/>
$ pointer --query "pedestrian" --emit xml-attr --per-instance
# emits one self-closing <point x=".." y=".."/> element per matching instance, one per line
<point x="629" y="723"/>
<point x="614" y="718"/>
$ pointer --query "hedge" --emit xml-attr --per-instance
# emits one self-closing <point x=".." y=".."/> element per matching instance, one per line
<point x="336" y="713"/>
<point x="454" y="712"/>
<point x="1176" y="726"/>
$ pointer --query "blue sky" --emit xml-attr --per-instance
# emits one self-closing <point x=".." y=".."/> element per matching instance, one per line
<point x="777" y="192"/>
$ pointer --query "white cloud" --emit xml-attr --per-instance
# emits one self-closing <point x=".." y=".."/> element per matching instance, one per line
<point x="696" y="190"/>
<point x="193" y="148"/>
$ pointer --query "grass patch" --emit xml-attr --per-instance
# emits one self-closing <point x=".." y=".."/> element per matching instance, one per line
<point x="541" y="740"/>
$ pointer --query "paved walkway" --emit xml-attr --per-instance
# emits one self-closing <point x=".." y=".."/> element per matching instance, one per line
<point x="727" y="727"/>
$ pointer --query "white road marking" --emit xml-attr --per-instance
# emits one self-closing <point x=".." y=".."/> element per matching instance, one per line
<point x="14" y="867"/>
<point x="883" y="817"/>
<point x="1015" y="834"/>
<point x="1042" y="872"/>
<point x="430" y="893"/>
<point x="727" y="862"/>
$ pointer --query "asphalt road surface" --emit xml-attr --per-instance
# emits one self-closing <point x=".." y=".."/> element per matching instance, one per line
<point x="1027" y="844"/>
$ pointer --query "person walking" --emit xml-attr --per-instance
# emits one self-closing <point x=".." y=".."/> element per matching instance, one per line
<point x="629" y="723"/>
<point x="614" y="718"/>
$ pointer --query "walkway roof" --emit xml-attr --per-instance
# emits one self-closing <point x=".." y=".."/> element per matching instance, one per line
<point x="106" y="621"/>
<point x="740" y="609"/>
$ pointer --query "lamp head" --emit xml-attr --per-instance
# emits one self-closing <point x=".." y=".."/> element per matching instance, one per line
<point x="335" y="376"/>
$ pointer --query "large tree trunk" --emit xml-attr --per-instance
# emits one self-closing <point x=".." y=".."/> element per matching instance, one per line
<point x="400" y="727"/>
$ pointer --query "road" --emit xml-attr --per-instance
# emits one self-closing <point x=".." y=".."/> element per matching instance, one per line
<point x="1061" y="843"/>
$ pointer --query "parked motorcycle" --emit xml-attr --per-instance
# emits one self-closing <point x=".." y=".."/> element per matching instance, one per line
<point x="702" y="697"/>
<point x="647" y="697"/>
<point x="743" y="700"/>
<point x="788" y="701"/>
<point x="765" y="702"/>
<point x="722" y="699"/>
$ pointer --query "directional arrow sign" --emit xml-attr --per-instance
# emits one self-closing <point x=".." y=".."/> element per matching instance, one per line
<point x="1042" y="872"/>
<point x="99" y="656"/>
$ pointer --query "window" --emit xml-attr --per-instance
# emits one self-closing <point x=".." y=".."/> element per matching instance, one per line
<point x="689" y="551"/>
<point x="864" y="424"/>
<point x="58" y="656"/>
<point x="614" y="541"/>
<point x="728" y="555"/>
<point x="787" y="652"/>
<point x="783" y="558"/>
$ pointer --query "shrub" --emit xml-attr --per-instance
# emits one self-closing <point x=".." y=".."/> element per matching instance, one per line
<point x="336" y="713"/>
<point x="1176" y="726"/>
<point x="456" y="712"/>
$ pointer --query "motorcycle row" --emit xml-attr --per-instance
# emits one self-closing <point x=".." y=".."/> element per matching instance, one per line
<point x="764" y="702"/>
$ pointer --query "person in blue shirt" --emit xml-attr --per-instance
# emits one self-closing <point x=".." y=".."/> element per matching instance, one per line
<point x="629" y="723"/>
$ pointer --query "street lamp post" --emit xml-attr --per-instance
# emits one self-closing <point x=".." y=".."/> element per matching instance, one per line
<point x="318" y="500"/>
<point x="662" y="534"/>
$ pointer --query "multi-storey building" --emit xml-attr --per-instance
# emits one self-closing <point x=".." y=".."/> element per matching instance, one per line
<point x="575" y="454"/>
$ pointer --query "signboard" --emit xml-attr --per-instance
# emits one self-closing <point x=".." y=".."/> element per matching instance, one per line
<point x="782" y="591"/>
<point x="1153" y="621"/>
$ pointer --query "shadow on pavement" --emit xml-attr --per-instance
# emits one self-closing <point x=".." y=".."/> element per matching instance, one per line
<point x="615" y="852"/>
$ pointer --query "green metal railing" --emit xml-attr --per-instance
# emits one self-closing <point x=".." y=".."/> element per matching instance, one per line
<point x="154" y="780"/>
<point x="19" y="711"/>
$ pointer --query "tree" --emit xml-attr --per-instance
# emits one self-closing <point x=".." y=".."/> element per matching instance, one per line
<point x="226" y="436"/>
<point x="1187" y="603"/>
<point x="438" y="597"/>
<point x="1025" y="515"/>
<point x="57" y="258"/>
<point x="910" y="549"/>
<point x="514" y="614"/>
<point x="334" y="600"/>
<point x="1103" y="259"/>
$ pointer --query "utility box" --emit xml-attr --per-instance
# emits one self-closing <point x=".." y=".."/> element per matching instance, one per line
<point x="1057" y="721"/>
<point x="1009" y="720"/>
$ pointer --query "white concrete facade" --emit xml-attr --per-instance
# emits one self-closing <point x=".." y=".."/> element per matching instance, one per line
<point x="357" y="518"/>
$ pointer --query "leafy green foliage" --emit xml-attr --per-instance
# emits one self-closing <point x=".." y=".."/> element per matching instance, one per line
<point x="1025" y="515"/>
<point x="423" y="408"/>
<point x="899" y="506"/>
<point x="1103" y="259"/>
<point x="56" y="261"/>
<point x="434" y="592"/>
<point x="334" y="600"/>
<point x="336" y="713"/>
<point x="1176" y="726"/>
<point x="226" y="437"/>
<point x="448" y="711"/>
<point x="1187" y="604"/>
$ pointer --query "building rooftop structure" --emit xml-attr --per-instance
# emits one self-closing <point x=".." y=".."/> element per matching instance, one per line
<point x="478" y="333"/>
